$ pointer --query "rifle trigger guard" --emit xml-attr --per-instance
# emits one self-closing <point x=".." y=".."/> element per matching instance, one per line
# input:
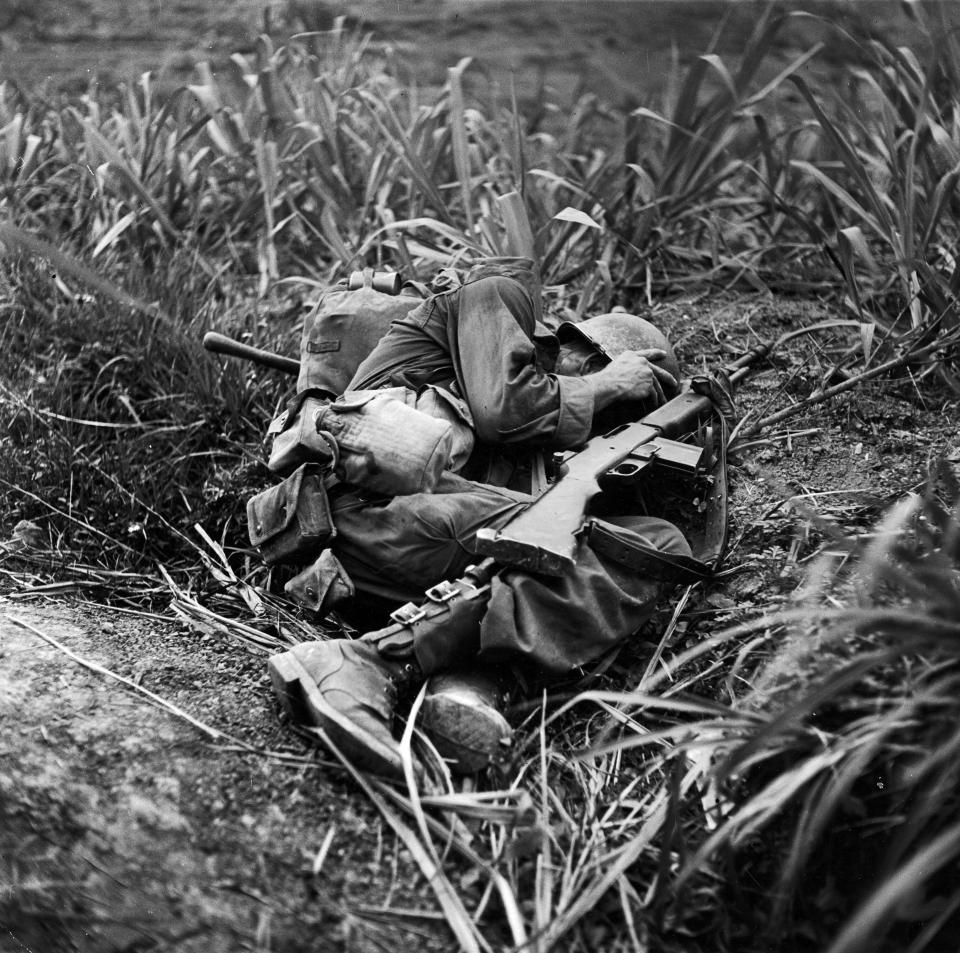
<point x="408" y="614"/>
<point x="442" y="592"/>
<point x="624" y="470"/>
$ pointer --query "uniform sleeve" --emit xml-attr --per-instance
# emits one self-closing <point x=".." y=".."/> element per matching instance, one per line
<point x="490" y="326"/>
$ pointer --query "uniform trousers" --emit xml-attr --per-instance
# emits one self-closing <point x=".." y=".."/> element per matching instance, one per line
<point x="400" y="546"/>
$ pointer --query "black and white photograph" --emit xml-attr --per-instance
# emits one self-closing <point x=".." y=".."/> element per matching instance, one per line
<point x="479" y="476"/>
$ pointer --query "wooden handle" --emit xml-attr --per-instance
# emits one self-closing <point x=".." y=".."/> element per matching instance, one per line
<point x="221" y="344"/>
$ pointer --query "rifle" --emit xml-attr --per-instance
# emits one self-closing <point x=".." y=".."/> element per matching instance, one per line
<point x="543" y="538"/>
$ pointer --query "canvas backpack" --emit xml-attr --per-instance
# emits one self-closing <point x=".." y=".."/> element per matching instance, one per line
<point x="345" y="326"/>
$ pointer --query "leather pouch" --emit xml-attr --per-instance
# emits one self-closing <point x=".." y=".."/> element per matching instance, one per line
<point x="291" y="522"/>
<point x="321" y="586"/>
<point x="295" y="437"/>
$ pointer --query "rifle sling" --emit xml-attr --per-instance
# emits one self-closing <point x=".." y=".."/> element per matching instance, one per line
<point x="638" y="555"/>
<point x="714" y="542"/>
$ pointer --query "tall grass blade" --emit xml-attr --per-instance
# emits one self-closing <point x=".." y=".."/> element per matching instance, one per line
<point x="119" y="165"/>
<point x="16" y="238"/>
<point x="853" y="163"/>
<point x="860" y="933"/>
<point x="457" y="917"/>
<point x="458" y="133"/>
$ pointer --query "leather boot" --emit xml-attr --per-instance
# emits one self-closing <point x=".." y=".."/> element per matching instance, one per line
<point x="462" y="714"/>
<point x="350" y="690"/>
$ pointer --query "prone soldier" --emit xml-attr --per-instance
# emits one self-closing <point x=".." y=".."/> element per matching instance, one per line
<point x="521" y="391"/>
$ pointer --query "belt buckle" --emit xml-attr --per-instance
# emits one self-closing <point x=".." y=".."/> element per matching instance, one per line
<point x="408" y="614"/>
<point x="442" y="591"/>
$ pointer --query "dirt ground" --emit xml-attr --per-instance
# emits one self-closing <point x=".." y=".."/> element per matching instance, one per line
<point x="125" y="828"/>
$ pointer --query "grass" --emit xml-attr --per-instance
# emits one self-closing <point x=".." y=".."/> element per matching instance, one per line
<point x="900" y="170"/>
<point x="132" y="224"/>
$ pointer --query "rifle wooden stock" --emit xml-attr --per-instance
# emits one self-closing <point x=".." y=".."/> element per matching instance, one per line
<point x="221" y="344"/>
<point x="543" y="538"/>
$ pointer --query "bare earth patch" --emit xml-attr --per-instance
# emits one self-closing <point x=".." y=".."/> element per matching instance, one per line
<point x="122" y="828"/>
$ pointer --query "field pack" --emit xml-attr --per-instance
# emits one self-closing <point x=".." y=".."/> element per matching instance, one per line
<point x="344" y="328"/>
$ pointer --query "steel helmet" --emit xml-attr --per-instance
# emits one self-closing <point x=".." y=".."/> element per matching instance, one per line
<point x="612" y="334"/>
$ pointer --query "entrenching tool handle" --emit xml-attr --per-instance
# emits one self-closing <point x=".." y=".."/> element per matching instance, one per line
<point x="221" y="344"/>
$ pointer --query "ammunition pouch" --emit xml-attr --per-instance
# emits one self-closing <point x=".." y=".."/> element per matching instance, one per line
<point x="291" y="522"/>
<point x="322" y="586"/>
<point x="638" y="555"/>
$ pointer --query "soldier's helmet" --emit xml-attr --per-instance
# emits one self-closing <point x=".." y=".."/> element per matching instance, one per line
<point x="612" y="334"/>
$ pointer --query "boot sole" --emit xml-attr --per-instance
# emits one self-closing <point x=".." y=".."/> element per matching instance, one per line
<point x="470" y="737"/>
<point x="302" y="700"/>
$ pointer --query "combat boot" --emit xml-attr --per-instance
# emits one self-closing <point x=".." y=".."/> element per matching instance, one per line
<point x="462" y="714"/>
<point x="350" y="690"/>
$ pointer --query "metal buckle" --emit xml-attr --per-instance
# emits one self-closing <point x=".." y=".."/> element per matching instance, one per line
<point x="408" y="614"/>
<point x="442" y="591"/>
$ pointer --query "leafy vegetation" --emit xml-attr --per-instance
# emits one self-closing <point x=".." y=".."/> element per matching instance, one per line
<point x="891" y="200"/>
<point x="133" y="224"/>
<point x="833" y="767"/>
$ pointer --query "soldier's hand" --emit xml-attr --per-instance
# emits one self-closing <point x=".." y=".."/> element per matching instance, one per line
<point x="632" y="375"/>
